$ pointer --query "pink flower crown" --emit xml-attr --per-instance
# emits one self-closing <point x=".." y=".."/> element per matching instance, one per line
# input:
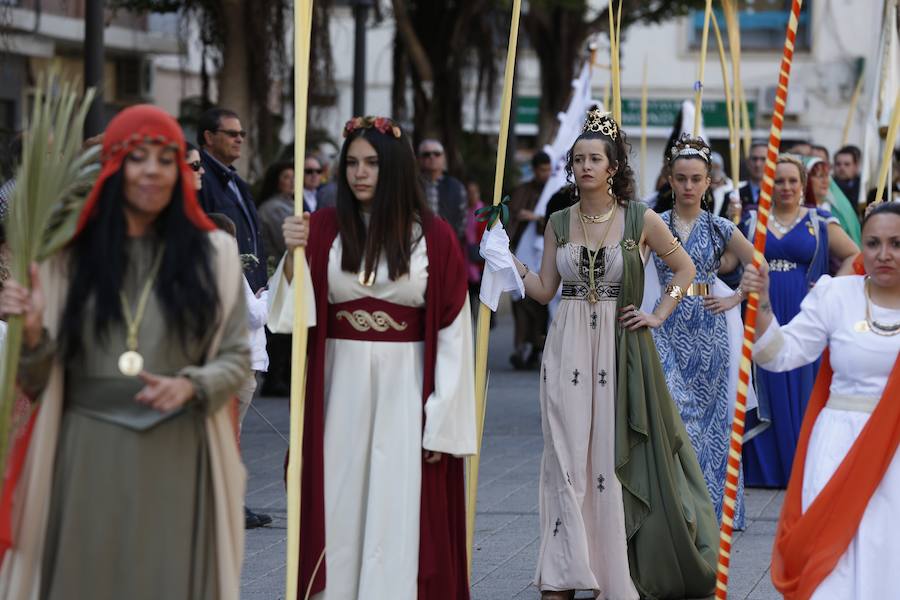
<point x="382" y="124"/>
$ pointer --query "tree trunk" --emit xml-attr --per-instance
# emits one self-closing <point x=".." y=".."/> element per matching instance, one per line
<point x="234" y="88"/>
<point x="558" y="36"/>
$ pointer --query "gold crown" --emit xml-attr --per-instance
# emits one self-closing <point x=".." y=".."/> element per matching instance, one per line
<point x="601" y="122"/>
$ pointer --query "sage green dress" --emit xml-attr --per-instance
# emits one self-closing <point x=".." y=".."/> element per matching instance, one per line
<point x="131" y="511"/>
<point x="606" y="408"/>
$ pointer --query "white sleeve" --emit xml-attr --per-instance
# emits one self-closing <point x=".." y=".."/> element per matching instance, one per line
<point x="800" y="342"/>
<point x="257" y="308"/>
<point x="281" y="301"/>
<point x="450" y="410"/>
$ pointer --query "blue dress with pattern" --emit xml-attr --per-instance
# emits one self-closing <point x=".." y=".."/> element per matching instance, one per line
<point x="768" y="457"/>
<point x="694" y="351"/>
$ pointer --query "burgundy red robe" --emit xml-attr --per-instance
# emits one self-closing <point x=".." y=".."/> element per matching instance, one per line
<point x="442" y="523"/>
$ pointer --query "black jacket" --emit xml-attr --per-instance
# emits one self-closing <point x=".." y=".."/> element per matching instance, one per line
<point x="747" y="201"/>
<point x="215" y="197"/>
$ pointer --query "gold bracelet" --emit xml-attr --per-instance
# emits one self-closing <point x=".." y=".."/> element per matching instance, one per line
<point x="675" y="292"/>
<point x="675" y="245"/>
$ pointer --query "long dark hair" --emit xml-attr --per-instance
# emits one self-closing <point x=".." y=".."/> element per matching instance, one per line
<point x="185" y="285"/>
<point x="270" y="181"/>
<point x="397" y="205"/>
<point x="617" y="154"/>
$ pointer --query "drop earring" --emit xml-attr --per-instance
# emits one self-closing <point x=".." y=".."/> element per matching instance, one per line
<point x="609" y="186"/>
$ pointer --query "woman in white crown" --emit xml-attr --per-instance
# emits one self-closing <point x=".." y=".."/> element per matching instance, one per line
<point x="696" y="344"/>
<point x="623" y="505"/>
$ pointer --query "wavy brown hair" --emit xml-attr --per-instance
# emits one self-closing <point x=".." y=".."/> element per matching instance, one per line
<point x="617" y="153"/>
<point x="398" y="204"/>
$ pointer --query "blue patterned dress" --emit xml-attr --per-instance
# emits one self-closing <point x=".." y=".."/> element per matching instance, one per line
<point x="796" y="261"/>
<point x="694" y="351"/>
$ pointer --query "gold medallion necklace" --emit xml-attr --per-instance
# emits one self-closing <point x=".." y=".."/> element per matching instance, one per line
<point x="131" y="363"/>
<point x="593" y="297"/>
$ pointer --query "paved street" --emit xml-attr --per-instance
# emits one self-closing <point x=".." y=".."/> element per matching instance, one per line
<point x="506" y="539"/>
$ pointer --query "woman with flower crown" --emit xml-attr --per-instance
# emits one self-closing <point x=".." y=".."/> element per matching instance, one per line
<point x="390" y="403"/>
<point x="699" y="344"/>
<point x="623" y="505"/>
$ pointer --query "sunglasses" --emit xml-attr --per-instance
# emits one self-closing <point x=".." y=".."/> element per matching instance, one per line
<point x="196" y="165"/>
<point x="431" y="153"/>
<point x="233" y="133"/>
<point x="312" y="171"/>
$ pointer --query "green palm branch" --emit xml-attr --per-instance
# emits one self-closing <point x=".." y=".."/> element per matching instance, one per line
<point x="52" y="183"/>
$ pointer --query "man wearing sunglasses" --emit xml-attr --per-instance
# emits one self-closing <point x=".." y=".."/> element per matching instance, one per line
<point x="221" y="139"/>
<point x="446" y="195"/>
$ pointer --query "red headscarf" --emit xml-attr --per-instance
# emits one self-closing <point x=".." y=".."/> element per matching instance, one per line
<point x="130" y="128"/>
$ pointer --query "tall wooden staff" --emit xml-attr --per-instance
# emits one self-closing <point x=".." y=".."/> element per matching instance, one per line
<point x="302" y="33"/>
<point x="615" y="30"/>
<point x="734" y="99"/>
<point x="484" y="313"/>
<point x="698" y="87"/>
<point x="759" y="244"/>
<point x="883" y="178"/>
<point x="643" y="130"/>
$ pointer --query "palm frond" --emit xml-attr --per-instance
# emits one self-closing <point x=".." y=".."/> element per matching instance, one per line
<point x="51" y="184"/>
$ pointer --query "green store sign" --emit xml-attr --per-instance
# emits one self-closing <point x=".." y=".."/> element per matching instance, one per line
<point x="528" y="110"/>
<point x="660" y="112"/>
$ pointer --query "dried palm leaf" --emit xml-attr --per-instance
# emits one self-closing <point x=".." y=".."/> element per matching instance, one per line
<point x="52" y="183"/>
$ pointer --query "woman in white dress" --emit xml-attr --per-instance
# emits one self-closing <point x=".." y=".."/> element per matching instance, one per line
<point x="390" y="393"/>
<point x="837" y="537"/>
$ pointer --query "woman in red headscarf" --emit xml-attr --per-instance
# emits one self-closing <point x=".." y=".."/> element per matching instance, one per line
<point x="135" y="341"/>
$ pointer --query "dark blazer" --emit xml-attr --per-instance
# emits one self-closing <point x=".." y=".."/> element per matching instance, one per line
<point x="747" y="201"/>
<point x="452" y="203"/>
<point x="216" y="197"/>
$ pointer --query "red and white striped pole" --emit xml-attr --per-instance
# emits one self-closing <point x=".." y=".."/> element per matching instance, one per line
<point x="759" y="245"/>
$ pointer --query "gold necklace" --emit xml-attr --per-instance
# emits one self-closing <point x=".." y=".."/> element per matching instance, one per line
<point x="871" y="324"/>
<point x="593" y="298"/>
<point x="598" y="218"/>
<point x="131" y="363"/>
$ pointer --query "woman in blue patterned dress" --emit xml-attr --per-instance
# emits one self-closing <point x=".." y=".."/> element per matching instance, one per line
<point x="694" y="344"/>
<point x="798" y="245"/>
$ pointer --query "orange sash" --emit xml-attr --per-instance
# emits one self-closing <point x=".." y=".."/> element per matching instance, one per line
<point x="808" y="545"/>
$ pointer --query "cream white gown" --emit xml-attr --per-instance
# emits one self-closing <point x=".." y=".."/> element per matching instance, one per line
<point x="861" y="363"/>
<point x="374" y="436"/>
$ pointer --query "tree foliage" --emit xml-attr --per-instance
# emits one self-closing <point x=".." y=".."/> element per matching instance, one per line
<point x="246" y="41"/>
<point x="436" y="45"/>
<point x="559" y="29"/>
<point x="439" y="44"/>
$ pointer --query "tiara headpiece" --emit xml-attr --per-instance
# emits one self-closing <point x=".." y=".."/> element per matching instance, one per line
<point x="601" y="122"/>
<point x="688" y="147"/>
<point x="382" y="124"/>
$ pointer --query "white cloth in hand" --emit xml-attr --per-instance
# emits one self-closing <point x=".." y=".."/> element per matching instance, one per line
<point x="500" y="273"/>
<point x="281" y="301"/>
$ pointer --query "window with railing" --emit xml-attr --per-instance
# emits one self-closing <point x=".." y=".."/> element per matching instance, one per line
<point x="763" y="24"/>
